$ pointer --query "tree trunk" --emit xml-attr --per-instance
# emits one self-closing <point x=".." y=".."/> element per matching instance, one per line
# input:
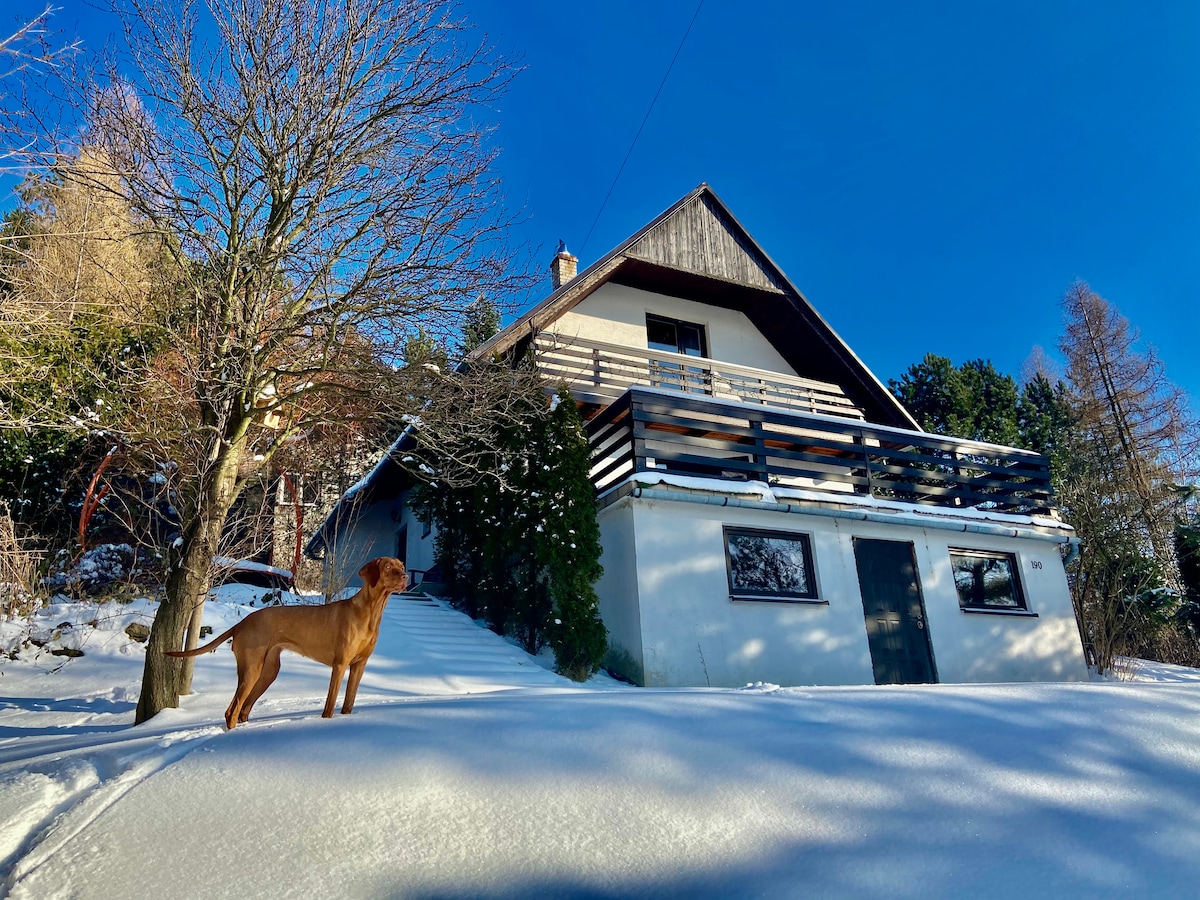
<point x="165" y="679"/>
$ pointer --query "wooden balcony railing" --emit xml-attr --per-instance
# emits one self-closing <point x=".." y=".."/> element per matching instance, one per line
<point x="647" y="431"/>
<point x="607" y="370"/>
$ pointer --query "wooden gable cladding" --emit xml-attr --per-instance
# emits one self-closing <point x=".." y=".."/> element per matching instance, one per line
<point x="699" y="237"/>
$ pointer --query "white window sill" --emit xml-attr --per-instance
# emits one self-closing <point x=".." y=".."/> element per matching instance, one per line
<point x="998" y="611"/>
<point x="811" y="601"/>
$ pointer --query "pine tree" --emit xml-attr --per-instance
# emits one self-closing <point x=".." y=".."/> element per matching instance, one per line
<point x="1044" y="422"/>
<point x="932" y="391"/>
<point x="972" y="401"/>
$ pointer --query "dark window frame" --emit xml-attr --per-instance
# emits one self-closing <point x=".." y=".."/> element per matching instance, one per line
<point x="668" y="320"/>
<point x="804" y="539"/>
<point x="1018" y="589"/>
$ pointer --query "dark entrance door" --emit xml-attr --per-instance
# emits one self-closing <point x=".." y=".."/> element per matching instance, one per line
<point x="402" y="545"/>
<point x="895" y="613"/>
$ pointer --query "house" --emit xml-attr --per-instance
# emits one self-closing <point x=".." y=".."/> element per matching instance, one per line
<point x="769" y="511"/>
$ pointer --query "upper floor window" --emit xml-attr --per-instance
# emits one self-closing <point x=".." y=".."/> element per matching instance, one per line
<point x="986" y="580"/>
<point x="675" y="336"/>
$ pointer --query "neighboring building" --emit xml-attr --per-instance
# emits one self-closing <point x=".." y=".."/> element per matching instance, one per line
<point x="769" y="511"/>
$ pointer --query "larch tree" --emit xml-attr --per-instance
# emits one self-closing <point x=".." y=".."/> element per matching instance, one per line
<point x="1133" y="443"/>
<point x="319" y="178"/>
<point x="1136" y="420"/>
<point x="77" y="275"/>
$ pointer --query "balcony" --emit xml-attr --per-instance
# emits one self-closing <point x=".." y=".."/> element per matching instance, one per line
<point x="648" y="430"/>
<point x="603" y="371"/>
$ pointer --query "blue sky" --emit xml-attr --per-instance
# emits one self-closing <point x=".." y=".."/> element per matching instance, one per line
<point x="931" y="176"/>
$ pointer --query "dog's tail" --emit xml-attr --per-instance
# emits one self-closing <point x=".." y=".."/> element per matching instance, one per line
<point x="211" y="645"/>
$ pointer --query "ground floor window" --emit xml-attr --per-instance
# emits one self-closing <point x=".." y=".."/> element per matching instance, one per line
<point x="987" y="580"/>
<point x="769" y="565"/>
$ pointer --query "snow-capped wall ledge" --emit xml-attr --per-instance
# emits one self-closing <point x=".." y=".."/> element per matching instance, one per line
<point x="800" y="500"/>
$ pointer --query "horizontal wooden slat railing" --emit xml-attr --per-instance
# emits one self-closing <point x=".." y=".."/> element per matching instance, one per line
<point x="607" y="370"/>
<point x="647" y="431"/>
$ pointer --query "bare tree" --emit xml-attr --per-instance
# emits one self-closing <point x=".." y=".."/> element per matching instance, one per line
<point x="1125" y="405"/>
<point x="320" y="180"/>
<point x="1133" y="441"/>
<point x="30" y="48"/>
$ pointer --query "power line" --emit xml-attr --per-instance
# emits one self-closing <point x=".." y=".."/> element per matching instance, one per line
<point x="645" y="118"/>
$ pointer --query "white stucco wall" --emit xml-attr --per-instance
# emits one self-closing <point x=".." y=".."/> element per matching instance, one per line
<point x="618" y="592"/>
<point x="617" y="314"/>
<point x="692" y="633"/>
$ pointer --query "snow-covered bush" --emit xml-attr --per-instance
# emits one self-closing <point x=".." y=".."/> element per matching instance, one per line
<point x="96" y="572"/>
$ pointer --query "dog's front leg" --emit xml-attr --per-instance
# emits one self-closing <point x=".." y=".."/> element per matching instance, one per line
<point x="356" y="674"/>
<point x="335" y="682"/>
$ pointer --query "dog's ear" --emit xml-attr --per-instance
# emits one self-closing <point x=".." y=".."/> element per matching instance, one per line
<point x="370" y="573"/>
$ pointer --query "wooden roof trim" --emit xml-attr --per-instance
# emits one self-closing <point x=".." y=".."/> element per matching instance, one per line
<point x="577" y="289"/>
<point x="808" y="309"/>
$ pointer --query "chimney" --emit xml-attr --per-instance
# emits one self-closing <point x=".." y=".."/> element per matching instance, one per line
<point x="564" y="266"/>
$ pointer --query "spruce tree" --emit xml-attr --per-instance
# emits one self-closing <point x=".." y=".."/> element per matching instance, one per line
<point x="564" y="543"/>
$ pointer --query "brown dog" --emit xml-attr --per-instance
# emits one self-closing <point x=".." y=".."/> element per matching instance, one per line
<point x="340" y="634"/>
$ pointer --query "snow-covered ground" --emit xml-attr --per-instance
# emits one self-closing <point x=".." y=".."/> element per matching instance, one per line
<point x="470" y="770"/>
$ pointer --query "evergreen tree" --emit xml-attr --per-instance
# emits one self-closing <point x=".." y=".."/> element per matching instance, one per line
<point x="933" y="393"/>
<point x="1044" y="422"/>
<point x="481" y="322"/>
<point x="1187" y="551"/>
<point x="520" y="544"/>
<point x="972" y="401"/>
<point x="423" y="349"/>
<point x="471" y="518"/>
<point x="562" y="561"/>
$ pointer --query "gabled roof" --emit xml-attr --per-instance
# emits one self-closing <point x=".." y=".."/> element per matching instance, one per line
<point x="699" y="251"/>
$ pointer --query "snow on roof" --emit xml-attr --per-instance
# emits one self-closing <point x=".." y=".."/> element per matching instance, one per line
<point x="337" y="514"/>
<point x="779" y="494"/>
<point x="249" y="565"/>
